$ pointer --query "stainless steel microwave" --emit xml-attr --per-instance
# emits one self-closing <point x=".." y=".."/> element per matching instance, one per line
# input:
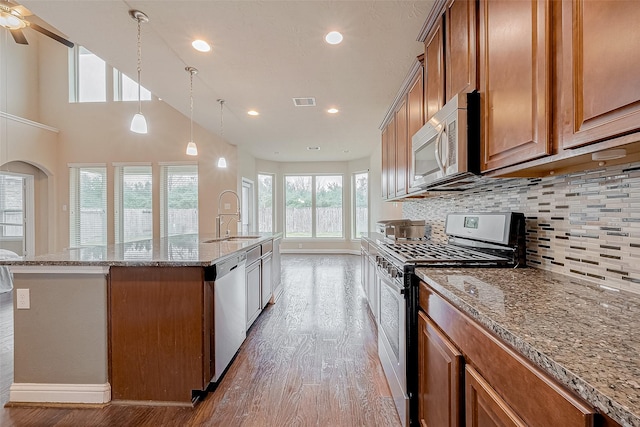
<point x="446" y="150"/>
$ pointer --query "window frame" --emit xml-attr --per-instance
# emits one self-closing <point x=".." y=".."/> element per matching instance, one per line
<point x="118" y="199"/>
<point x="75" y="235"/>
<point x="354" y="205"/>
<point x="113" y="80"/>
<point x="164" y="210"/>
<point x="313" y="236"/>
<point x="273" y="200"/>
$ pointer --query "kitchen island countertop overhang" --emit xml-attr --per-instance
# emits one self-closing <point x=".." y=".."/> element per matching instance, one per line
<point x="103" y="313"/>
<point x="185" y="250"/>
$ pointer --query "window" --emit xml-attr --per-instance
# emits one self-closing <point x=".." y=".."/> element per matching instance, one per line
<point x="126" y="89"/>
<point x="178" y="199"/>
<point x="91" y="71"/>
<point x="11" y="206"/>
<point x="328" y="206"/>
<point x="314" y="206"/>
<point x="247" y="198"/>
<point x="360" y="187"/>
<point x="88" y="79"/>
<point x="133" y="219"/>
<point x="265" y="203"/>
<point x="87" y="206"/>
<point x="298" y="202"/>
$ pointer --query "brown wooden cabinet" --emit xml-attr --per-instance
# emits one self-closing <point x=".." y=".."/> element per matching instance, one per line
<point x="160" y="333"/>
<point x="601" y="59"/>
<point x="511" y="390"/>
<point x="415" y="116"/>
<point x="514" y="69"/>
<point x="402" y="149"/>
<point x="439" y="377"/>
<point x="404" y="118"/>
<point x="434" y="70"/>
<point x="484" y="407"/>
<point x="389" y="135"/>
<point x="384" y="169"/>
<point x="460" y="47"/>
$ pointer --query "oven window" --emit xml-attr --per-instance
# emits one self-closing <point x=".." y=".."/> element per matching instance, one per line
<point x="390" y="317"/>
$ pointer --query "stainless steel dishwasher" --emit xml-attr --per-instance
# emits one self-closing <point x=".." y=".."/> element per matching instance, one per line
<point x="229" y="305"/>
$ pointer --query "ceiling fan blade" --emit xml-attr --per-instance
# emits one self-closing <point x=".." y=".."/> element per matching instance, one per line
<point x="19" y="37"/>
<point x="48" y="33"/>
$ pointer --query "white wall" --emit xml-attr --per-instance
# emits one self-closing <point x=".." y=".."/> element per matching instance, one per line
<point x="34" y="85"/>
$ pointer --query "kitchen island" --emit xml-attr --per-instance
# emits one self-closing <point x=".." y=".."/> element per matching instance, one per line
<point x="130" y="322"/>
<point x="582" y="335"/>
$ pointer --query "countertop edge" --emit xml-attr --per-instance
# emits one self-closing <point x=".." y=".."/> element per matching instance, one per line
<point x="564" y="376"/>
<point x="35" y="262"/>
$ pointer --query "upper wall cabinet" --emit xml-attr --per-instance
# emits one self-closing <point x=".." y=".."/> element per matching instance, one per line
<point x="389" y="160"/>
<point x="434" y="70"/>
<point x="514" y="68"/>
<point x="601" y="60"/>
<point x="405" y="118"/>
<point x="460" y="47"/>
<point x="402" y="148"/>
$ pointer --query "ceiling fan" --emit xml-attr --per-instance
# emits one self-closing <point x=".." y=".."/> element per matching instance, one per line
<point x="12" y="17"/>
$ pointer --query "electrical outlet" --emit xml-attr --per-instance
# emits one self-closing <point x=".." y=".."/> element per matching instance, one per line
<point x="299" y="245"/>
<point x="227" y="206"/>
<point x="22" y="299"/>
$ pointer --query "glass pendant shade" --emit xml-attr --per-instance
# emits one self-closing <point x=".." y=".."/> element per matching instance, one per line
<point x="139" y="124"/>
<point x="192" y="149"/>
<point x="222" y="162"/>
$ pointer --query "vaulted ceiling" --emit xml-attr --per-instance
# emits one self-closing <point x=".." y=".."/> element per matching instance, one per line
<point x="264" y="54"/>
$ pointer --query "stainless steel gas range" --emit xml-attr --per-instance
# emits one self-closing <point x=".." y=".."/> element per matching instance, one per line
<point x="474" y="239"/>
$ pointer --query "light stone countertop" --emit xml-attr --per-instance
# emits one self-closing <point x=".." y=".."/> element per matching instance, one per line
<point x="187" y="250"/>
<point x="585" y="336"/>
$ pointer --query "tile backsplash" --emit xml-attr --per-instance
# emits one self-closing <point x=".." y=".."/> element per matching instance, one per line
<point x="585" y="225"/>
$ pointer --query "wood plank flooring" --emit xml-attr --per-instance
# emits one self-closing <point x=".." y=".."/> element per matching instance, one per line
<point x="309" y="360"/>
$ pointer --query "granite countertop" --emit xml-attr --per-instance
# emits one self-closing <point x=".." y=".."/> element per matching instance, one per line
<point x="187" y="250"/>
<point x="584" y="335"/>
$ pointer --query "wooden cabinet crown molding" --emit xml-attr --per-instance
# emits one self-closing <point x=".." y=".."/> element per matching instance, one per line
<point x="416" y="67"/>
<point x="434" y="14"/>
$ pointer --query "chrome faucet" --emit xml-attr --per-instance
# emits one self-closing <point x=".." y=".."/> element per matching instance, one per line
<point x="220" y="214"/>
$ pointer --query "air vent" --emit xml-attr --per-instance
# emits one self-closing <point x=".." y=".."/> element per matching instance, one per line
<point x="304" y="102"/>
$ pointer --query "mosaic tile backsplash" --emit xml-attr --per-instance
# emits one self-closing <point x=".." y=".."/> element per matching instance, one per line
<point x="585" y="225"/>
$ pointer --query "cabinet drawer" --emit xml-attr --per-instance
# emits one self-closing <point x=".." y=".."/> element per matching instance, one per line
<point x="253" y="254"/>
<point x="267" y="247"/>
<point x="513" y="377"/>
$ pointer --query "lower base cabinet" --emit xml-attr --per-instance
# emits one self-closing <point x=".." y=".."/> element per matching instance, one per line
<point x="502" y="388"/>
<point x="265" y="285"/>
<point x="484" y="407"/>
<point x="439" y="377"/>
<point x="253" y="273"/>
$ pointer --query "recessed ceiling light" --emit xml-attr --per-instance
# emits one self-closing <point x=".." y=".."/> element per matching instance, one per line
<point x="201" y="46"/>
<point x="313" y="148"/>
<point x="332" y="110"/>
<point x="253" y="113"/>
<point x="333" y="37"/>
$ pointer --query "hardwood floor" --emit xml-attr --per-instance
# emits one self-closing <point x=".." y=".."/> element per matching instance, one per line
<point x="309" y="360"/>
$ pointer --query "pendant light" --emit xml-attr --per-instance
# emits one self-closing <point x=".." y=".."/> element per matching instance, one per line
<point x="222" y="162"/>
<point x="139" y="123"/>
<point x="192" y="149"/>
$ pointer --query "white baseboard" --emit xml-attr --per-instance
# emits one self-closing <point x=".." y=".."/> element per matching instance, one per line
<point x="60" y="393"/>
<point x="321" y="251"/>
